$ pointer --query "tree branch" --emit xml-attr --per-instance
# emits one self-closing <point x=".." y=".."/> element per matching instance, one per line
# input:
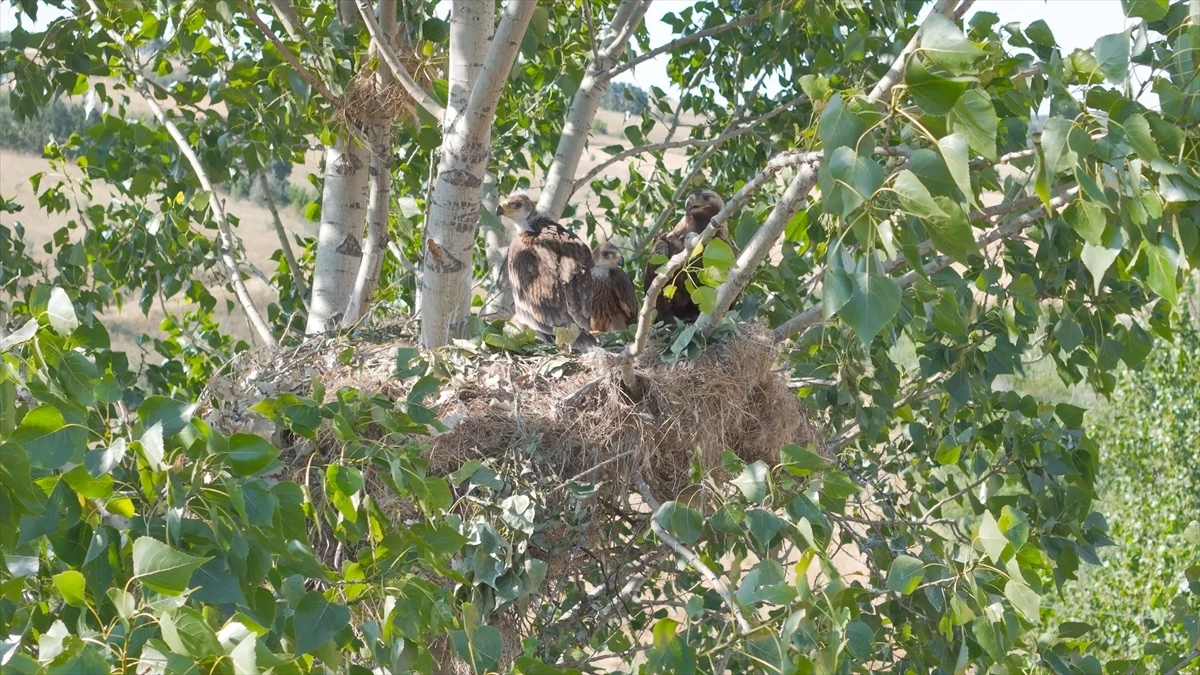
<point x="286" y="13"/>
<point x="698" y="35"/>
<point x="284" y="244"/>
<point x="383" y="48"/>
<point x="683" y="143"/>
<point x="760" y="246"/>
<point x="692" y="559"/>
<point x="894" y="74"/>
<point x="287" y="54"/>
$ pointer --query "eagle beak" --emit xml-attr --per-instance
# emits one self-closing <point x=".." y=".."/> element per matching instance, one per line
<point x="500" y="210"/>
<point x="620" y="261"/>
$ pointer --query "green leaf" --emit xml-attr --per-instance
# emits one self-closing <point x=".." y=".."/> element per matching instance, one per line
<point x="316" y="621"/>
<point x="945" y="44"/>
<point x="1064" y="144"/>
<point x="905" y="574"/>
<point x="861" y="640"/>
<point x="342" y="484"/>
<point x="70" y="585"/>
<point x="1163" y="259"/>
<point x="161" y="567"/>
<point x="1040" y="34"/>
<point x="174" y="415"/>
<point x="1087" y="219"/>
<point x="1014" y="525"/>
<point x="47" y="439"/>
<point x="1112" y="55"/>
<point x="1191" y="533"/>
<point x="86" y="486"/>
<point x="838" y="485"/>
<point x="152" y="446"/>
<point x="763" y="526"/>
<point x="519" y="512"/>
<point x="61" y="312"/>
<point x="1023" y="598"/>
<point x="102" y="460"/>
<point x="915" y="197"/>
<point x="874" y="300"/>
<point x="681" y="522"/>
<point x="974" y="117"/>
<point x="718" y="254"/>
<point x="956" y="154"/>
<point x="991" y="537"/>
<point x="934" y="94"/>
<point x="249" y="454"/>
<point x="20" y="336"/>
<point x="800" y="461"/>
<point x="753" y="481"/>
<point x="765" y="582"/>
<point x="1137" y="132"/>
<point x="1150" y="10"/>
<point x="186" y="632"/>
<point x="848" y="180"/>
<point x="839" y="127"/>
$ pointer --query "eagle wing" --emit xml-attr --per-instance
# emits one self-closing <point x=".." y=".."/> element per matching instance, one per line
<point x="549" y="272"/>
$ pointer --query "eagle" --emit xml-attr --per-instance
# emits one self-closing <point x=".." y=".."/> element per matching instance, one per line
<point x="550" y="270"/>
<point x="613" y="304"/>
<point x="700" y="207"/>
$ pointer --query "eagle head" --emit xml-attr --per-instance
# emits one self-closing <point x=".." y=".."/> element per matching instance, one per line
<point x="607" y="255"/>
<point x="703" y="202"/>
<point x="517" y="207"/>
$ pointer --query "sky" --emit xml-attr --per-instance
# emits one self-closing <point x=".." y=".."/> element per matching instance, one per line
<point x="1075" y="23"/>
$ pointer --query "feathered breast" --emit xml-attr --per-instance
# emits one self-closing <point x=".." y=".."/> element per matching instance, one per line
<point x="549" y="271"/>
<point x="613" y="303"/>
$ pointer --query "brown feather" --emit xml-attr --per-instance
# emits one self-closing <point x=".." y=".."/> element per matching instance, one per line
<point x="550" y="272"/>
<point x="614" y="305"/>
<point x="700" y="212"/>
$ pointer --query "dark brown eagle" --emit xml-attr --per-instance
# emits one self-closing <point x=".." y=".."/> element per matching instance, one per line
<point x="700" y="207"/>
<point x="613" y="303"/>
<point x="550" y="272"/>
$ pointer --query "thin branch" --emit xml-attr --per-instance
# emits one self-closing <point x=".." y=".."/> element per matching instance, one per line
<point x="228" y="243"/>
<point x="383" y="48"/>
<point x="591" y="24"/>
<point x="284" y="244"/>
<point x="287" y="54"/>
<point x="692" y="559"/>
<point x="698" y="35"/>
<point x="286" y="13"/>
<point x="982" y="479"/>
<point x="683" y="143"/>
<point x="1188" y="659"/>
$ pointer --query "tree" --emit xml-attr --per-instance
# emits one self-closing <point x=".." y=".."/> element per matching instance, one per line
<point x="899" y="231"/>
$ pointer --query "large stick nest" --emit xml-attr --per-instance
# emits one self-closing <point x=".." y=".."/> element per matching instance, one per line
<point x="574" y="412"/>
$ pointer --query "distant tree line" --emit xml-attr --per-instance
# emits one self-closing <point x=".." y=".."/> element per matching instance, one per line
<point x="624" y="97"/>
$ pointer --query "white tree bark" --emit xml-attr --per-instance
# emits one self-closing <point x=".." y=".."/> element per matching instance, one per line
<point x="339" y="249"/>
<point x="379" y="134"/>
<point x="560" y="179"/>
<point x="477" y="75"/>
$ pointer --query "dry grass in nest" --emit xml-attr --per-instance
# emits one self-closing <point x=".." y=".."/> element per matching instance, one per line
<point x="731" y="398"/>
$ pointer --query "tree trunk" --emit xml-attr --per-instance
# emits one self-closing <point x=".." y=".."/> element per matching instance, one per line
<point x="477" y="74"/>
<point x="560" y="179"/>
<point x="379" y="135"/>
<point x="339" y="250"/>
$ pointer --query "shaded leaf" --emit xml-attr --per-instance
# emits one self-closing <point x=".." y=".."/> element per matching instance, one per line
<point x="163" y="568"/>
<point x="873" y="302"/>
<point x="681" y="522"/>
<point x="316" y="621"/>
<point x="753" y="481"/>
<point x="945" y="44"/>
<point x="1112" y="55"/>
<point x="905" y="574"/>
<point x="974" y="117"/>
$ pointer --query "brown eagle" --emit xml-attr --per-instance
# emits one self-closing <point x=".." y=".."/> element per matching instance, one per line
<point x="700" y="207"/>
<point x="613" y="304"/>
<point x="549" y="269"/>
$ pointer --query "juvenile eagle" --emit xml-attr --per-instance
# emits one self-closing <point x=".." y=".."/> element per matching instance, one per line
<point x="549" y="269"/>
<point x="613" y="304"/>
<point x="700" y="207"/>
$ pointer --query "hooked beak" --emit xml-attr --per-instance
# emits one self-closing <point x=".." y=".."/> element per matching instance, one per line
<point x="500" y="210"/>
<point x="620" y="261"/>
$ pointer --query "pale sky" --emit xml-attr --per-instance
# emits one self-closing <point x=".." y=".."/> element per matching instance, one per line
<point x="1075" y="23"/>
